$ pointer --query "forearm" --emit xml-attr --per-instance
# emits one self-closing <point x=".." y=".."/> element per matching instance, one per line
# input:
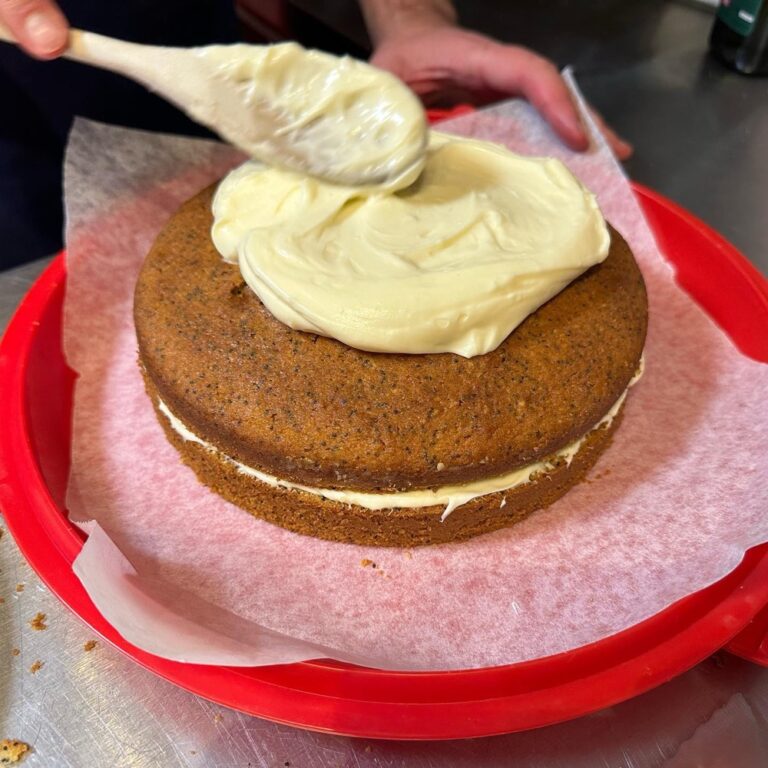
<point x="386" y="18"/>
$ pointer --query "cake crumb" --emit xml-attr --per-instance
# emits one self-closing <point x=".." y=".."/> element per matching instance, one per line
<point x="217" y="718"/>
<point x="89" y="645"/>
<point x="408" y="554"/>
<point x="38" y="622"/>
<point x="36" y="666"/>
<point x="19" y="587"/>
<point x="368" y="748"/>
<point x="366" y="563"/>
<point x="2" y="600"/>
<point x="11" y="751"/>
<point x="15" y="651"/>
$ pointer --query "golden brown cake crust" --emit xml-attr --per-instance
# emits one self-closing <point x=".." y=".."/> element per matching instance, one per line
<point x="311" y="410"/>
<point x="313" y="515"/>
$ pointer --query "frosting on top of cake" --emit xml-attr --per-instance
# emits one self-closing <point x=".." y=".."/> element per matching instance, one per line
<point x="452" y="263"/>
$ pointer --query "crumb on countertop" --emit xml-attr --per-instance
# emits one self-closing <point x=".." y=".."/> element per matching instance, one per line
<point x="36" y="666"/>
<point x="38" y="622"/>
<point x="366" y="563"/>
<point x="89" y="645"/>
<point x="11" y="751"/>
<point x="19" y="587"/>
<point x="15" y="651"/>
<point x="217" y="718"/>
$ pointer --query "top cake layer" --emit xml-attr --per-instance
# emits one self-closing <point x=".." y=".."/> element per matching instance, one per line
<point x="312" y="410"/>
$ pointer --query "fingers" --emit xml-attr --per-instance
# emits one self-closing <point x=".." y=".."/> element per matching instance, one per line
<point x="475" y="68"/>
<point x="545" y="88"/>
<point x="518" y="71"/>
<point x="39" y="26"/>
<point x="622" y="149"/>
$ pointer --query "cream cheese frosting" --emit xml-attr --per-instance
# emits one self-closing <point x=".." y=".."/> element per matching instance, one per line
<point x="452" y="263"/>
<point x="337" y="118"/>
<point x="451" y="496"/>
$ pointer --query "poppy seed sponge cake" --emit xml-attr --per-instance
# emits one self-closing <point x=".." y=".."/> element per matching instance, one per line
<point x="329" y="440"/>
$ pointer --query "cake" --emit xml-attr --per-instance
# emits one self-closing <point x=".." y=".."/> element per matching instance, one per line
<point x="384" y="449"/>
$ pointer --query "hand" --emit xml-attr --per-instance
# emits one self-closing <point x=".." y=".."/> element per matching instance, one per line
<point x="446" y="62"/>
<point x="39" y="26"/>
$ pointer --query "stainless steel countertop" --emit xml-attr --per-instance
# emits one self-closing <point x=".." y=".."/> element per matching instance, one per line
<point x="701" y="138"/>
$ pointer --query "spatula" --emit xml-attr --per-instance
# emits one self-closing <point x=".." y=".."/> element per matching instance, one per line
<point x="336" y="118"/>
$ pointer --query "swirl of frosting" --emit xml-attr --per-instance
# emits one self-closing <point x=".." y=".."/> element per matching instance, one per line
<point x="452" y="263"/>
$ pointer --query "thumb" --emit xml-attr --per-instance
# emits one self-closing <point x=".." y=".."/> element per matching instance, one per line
<point x="38" y="26"/>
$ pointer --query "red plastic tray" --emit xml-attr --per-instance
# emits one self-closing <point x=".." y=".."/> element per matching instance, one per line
<point x="35" y="411"/>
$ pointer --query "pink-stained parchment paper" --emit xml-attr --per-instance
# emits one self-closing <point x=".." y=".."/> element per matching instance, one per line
<point x="670" y="507"/>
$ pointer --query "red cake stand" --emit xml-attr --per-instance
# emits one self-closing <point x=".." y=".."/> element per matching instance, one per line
<point x="35" y="410"/>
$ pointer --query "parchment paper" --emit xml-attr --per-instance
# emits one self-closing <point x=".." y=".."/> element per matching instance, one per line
<point x="671" y="507"/>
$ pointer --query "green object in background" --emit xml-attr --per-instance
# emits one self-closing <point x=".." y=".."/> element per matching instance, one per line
<point x="740" y="35"/>
<point x="739" y="15"/>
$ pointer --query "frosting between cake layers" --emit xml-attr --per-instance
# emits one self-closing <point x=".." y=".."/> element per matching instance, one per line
<point x="452" y="263"/>
<point x="452" y="496"/>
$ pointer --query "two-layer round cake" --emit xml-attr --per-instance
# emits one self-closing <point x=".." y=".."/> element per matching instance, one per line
<point x="398" y="369"/>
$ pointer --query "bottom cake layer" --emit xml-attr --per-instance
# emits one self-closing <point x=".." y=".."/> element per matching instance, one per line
<point x="313" y="515"/>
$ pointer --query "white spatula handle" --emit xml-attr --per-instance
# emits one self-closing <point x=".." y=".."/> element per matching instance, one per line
<point x="148" y="64"/>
